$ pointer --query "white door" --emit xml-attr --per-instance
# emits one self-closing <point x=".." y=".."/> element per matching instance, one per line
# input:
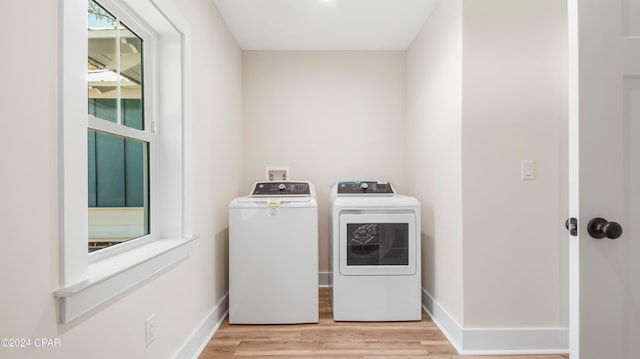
<point x="605" y="177"/>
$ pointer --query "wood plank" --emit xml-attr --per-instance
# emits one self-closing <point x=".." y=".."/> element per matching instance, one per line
<point x="329" y="339"/>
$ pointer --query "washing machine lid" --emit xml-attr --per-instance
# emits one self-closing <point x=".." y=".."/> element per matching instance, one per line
<point x="365" y="188"/>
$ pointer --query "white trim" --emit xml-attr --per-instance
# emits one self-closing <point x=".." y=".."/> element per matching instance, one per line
<point x="74" y="224"/>
<point x="323" y="279"/>
<point x="443" y="320"/>
<point x="87" y="281"/>
<point x="514" y="341"/>
<point x="99" y="124"/>
<point x="574" y="176"/>
<point x="199" y="339"/>
<point x="496" y="341"/>
<point x="104" y="283"/>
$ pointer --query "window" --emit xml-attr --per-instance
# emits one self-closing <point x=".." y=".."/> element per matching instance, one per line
<point x="118" y="158"/>
<point x="373" y="244"/>
<point x="117" y="122"/>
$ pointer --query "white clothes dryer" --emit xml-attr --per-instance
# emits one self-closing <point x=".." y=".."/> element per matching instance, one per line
<point x="374" y="254"/>
<point x="273" y="255"/>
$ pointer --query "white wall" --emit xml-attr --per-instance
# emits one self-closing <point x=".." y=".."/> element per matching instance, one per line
<point x="328" y="116"/>
<point x="470" y="122"/>
<point x="181" y="297"/>
<point x="487" y="89"/>
<point x="434" y="115"/>
<point x="515" y="108"/>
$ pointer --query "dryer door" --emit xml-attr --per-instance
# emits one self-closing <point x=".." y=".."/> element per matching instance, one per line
<point x="378" y="244"/>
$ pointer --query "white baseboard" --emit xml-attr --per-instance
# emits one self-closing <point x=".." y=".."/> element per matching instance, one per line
<point x="447" y="324"/>
<point x="492" y="341"/>
<point x="323" y="279"/>
<point x="514" y="341"/>
<point x="205" y="331"/>
<point x="476" y="341"/>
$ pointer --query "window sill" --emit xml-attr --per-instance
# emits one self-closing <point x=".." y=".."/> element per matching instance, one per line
<point x="114" y="275"/>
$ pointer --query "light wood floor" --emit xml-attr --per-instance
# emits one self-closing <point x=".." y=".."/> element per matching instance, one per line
<point x="329" y="339"/>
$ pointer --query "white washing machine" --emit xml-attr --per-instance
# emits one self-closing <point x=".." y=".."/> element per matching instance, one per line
<point x="273" y="255"/>
<point x="374" y="254"/>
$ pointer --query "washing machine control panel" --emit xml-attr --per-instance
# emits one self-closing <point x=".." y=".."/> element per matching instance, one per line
<point x="365" y="188"/>
<point x="277" y="189"/>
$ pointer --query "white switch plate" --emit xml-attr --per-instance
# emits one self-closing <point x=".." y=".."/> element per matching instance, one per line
<point x="527" y="170"/>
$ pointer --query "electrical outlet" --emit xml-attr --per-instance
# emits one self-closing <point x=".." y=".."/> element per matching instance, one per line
<point x="150" y="329"/>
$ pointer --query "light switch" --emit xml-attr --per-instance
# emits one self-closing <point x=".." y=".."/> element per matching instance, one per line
<point x="527" y="170"/>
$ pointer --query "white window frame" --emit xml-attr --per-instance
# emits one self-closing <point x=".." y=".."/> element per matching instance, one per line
<point x="148" y="133"/>
<point x="89" y="280"/>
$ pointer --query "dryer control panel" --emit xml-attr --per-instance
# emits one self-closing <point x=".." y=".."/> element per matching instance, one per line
<point x="365" y="188"/>
<point x="278" y="189"/>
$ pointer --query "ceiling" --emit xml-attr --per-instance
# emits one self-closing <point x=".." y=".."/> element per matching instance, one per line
<point x="325" y="24"/>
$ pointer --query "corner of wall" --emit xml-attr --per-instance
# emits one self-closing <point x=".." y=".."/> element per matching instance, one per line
<point x="434" y="97"/>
